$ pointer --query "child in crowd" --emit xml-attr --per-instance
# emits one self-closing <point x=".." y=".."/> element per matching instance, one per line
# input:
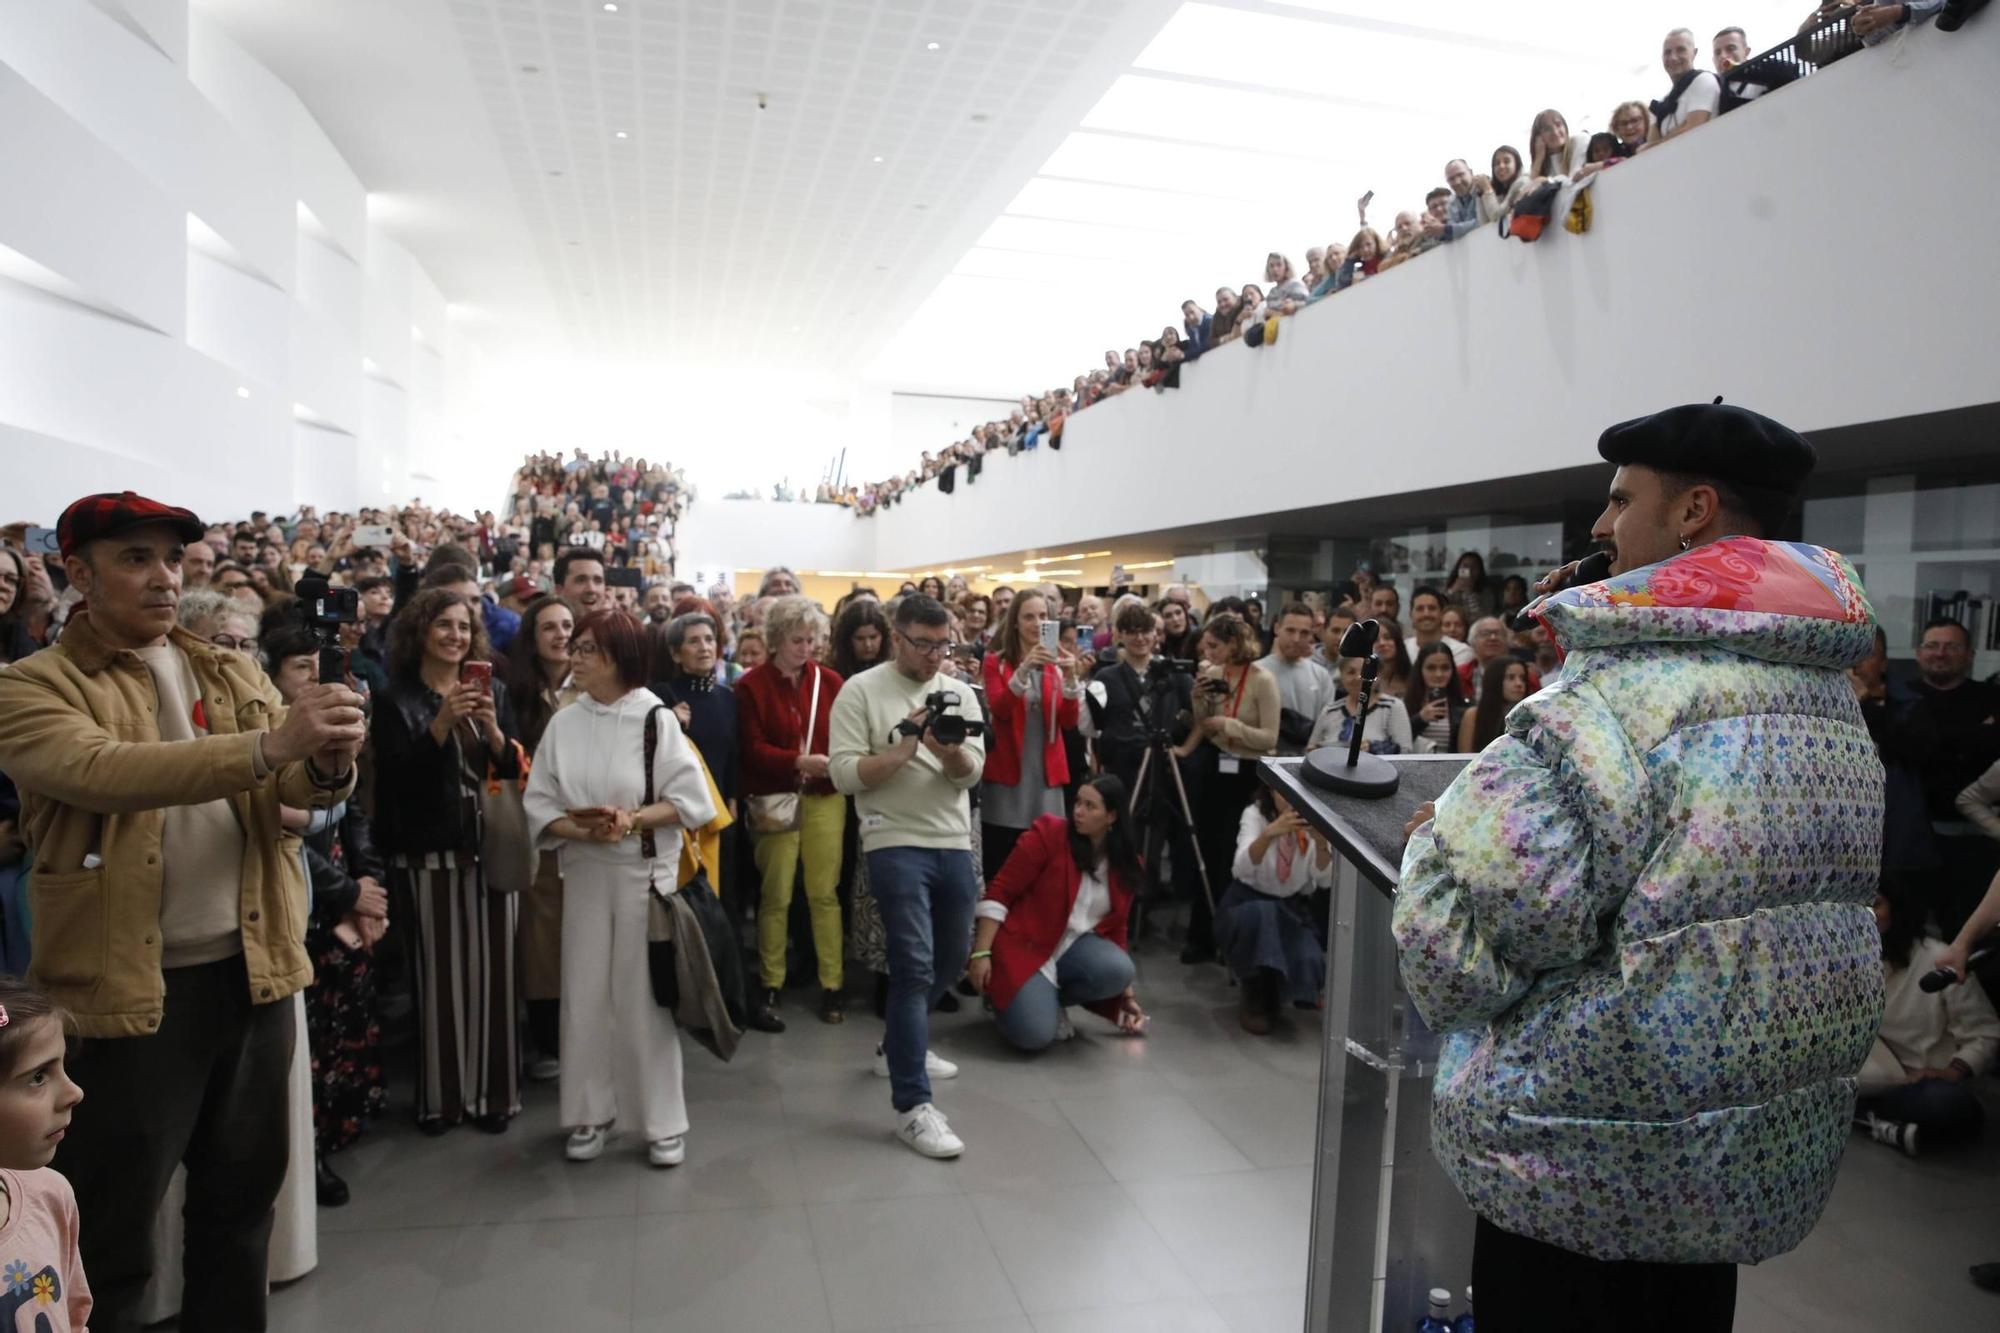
<point x="1917" y="1082"/>
<point x="40" y="1268"/>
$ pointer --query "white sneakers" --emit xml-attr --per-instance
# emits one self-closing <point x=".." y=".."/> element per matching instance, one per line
<point x="934" y="1064"/>
<point x="587" y="1144"/>
<point x="544" y="1069"/>
<point x="1898" y="1134"/>
<point x="926" y="1130"/>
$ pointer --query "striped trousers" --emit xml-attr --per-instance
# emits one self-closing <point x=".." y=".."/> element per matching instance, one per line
<point x="463" y="953"/>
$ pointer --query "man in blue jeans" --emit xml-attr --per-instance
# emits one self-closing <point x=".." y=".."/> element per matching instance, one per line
<point x="909" y="774"/>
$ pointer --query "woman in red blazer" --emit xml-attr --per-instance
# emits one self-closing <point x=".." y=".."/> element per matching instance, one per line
<point x="1050" y="931"/>
<point x="1033" y="695"/>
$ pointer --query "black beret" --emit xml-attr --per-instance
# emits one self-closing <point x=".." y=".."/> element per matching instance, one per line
<point x="1717" y="441"/>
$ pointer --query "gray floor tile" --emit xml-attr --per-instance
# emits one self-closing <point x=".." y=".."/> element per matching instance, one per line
<point x="1265" y="1117"/>
<point x="1151" y="1136"/>
<point x="1082" y="1248"/>
<point x="367" y="1280"/>
<point x="750" y="1268"/>
<point x="1282" y="1311"/>
<point x="1020" y="1146"/>
<point x="1830" y="1283"/>
<point x="1237" y="1231"/>
<point x="532" y="1181"/>
<point x="528" y="1276"/>
<point x="844" y="1145"/>
<point x="1194" y="1316"/>
<point x="738" y="1156"/>
<point x="1008" y="1324"/>
<point x="907" y="1261"/>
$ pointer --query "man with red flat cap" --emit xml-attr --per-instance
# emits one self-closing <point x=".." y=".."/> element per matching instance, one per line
<point x="168" y="917"/>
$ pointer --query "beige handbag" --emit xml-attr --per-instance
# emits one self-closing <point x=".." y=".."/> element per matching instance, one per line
<point x="778" y="812"/>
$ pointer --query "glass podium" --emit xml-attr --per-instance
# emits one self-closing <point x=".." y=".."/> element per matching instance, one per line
<point x="1387" y="1224"/>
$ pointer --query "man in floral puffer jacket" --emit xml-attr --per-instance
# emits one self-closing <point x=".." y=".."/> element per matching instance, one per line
<point x="1643" y="914"/>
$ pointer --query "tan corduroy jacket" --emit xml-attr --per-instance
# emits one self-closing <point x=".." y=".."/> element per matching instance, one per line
<point x="80" y="736"/>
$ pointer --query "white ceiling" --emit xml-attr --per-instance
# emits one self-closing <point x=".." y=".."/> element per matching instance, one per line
<point x="1131" y="153"/>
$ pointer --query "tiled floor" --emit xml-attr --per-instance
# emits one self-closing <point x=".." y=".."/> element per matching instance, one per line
<point x="1157" y="1186"/>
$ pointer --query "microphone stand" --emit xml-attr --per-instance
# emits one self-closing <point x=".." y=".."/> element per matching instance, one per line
<point x="1368" y="776"/>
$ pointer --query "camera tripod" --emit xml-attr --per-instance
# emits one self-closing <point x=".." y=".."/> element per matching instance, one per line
<point x="1159" y="756"/>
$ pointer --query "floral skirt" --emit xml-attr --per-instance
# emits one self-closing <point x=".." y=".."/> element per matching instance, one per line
<point x="345" y="1033"/>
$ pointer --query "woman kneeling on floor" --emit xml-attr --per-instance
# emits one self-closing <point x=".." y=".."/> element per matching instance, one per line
<point x="1261" y="924"/>
<point x="1051" y="929"/>
<point x="600" y="761"/>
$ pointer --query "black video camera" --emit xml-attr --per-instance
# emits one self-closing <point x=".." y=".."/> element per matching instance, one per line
<point x="949" y="727"/>
<point x="324" y="609"/>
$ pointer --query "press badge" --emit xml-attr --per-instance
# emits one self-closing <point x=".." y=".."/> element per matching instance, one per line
<point x="1229" y="764"/>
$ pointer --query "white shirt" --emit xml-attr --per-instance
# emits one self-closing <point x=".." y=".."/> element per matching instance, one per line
<point x="1093" y="904"/>
<point x="594" y="754"/>
<point x="1306" y="874"/>
<point x="1703" y="93"/>
<point x="1461" y="651"/>
<point x="1922" y="1031"/>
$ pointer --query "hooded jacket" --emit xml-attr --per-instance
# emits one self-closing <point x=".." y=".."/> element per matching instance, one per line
<point x="1643" y="916"/>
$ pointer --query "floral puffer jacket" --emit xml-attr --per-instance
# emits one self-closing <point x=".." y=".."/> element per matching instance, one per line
<point x="1643" y="917"/>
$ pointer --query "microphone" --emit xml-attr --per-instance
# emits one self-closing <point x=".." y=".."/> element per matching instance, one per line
<point x="1359" y="641"/>
<point x="1938" y="978"/>
<point x="1590" y="569"/>
<point x="1364" y="775"/>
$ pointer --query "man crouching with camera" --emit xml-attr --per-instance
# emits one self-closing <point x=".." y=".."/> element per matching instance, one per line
<point x="906" y="744"/>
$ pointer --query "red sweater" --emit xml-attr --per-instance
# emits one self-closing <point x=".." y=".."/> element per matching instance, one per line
<point x="1007" y="741"/>
<point x="771" y="727"/>
<point x="1038" y="887"/>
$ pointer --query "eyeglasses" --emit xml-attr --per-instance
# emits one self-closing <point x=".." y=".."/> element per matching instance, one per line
<point x="583" y="648"/>
<point x="928" y="647"/>
<point x="230" y="641"/>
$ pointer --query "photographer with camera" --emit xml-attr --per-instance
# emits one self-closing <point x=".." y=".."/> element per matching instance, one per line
<point x="1236" y="709"/>
<point x="906" y="744"/>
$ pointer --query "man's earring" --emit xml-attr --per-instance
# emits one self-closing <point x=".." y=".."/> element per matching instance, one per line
<point x="1685" y="543"/>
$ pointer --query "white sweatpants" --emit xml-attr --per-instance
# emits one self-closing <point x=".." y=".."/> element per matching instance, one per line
<point x="614" y="1038"/>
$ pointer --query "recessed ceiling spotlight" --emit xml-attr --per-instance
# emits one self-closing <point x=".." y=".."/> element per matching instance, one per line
<point x="881" y="268"/>
<point x="980" y="117"/>
<point x="621" y="135"/>
<point x="555" y="171"/>
<point x="242" y="392"/>
<point x="920" y="207"/>
<point x="576" y="242"/>
<point x="930" y="46"/>
<point x="878" y="157"/>
<point x="795" y="328"/>
<point x="531" y="69"/>
<point x="609" y="7"/>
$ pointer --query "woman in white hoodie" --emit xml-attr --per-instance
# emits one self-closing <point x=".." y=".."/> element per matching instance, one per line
<point x="1918" y="1078"/>
<point x="586" y="796"/>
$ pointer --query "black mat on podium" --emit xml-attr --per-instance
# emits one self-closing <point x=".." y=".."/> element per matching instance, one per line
<point x="1367" y="833"/>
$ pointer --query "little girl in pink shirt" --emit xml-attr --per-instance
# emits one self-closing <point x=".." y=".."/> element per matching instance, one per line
<point x="41" y="1274"/>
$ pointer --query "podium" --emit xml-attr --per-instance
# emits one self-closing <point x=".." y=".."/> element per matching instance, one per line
<point x="1387" y="1223"/>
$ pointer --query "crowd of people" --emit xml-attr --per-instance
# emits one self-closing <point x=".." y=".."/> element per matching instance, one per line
<point x="1521" y="192"/>
<point x="265" y="852"/>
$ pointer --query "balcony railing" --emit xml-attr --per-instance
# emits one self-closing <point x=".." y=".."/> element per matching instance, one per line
<point x="1793" y="59"/>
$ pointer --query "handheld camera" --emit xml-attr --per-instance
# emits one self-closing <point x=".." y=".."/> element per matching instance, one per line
<point x="942" y="721"/>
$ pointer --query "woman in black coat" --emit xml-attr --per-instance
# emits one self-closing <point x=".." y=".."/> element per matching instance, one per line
<point x="440" y="733"/>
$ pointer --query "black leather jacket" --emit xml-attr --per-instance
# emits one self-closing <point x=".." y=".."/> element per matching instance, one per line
<point x="420" y="803"/>
<point x="334" y="890"/>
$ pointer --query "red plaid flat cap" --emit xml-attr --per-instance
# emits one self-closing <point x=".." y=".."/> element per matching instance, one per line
<point x="97" y="516"/>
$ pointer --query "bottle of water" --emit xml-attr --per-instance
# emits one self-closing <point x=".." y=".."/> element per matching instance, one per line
<point x="1439" y="1319"/>
<point x="1464" y="1324"/>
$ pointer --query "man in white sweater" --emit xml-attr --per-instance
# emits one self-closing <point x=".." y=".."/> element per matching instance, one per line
<point x="909" y="790"/>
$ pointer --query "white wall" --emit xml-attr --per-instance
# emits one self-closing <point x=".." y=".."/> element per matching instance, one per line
<point x="189" y="279"/>
<point x="1770" y="257"/>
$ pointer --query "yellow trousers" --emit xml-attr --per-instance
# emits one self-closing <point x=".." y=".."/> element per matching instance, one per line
<point x="816" y="843"/>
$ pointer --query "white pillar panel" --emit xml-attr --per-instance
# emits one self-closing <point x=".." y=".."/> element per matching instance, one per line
<point x="79" y="210"/>
<point x="240" y="321"/>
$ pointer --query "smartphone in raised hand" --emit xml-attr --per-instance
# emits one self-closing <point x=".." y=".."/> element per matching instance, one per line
<point x="1051" y="632"/>
<point x="478" y="673"/>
